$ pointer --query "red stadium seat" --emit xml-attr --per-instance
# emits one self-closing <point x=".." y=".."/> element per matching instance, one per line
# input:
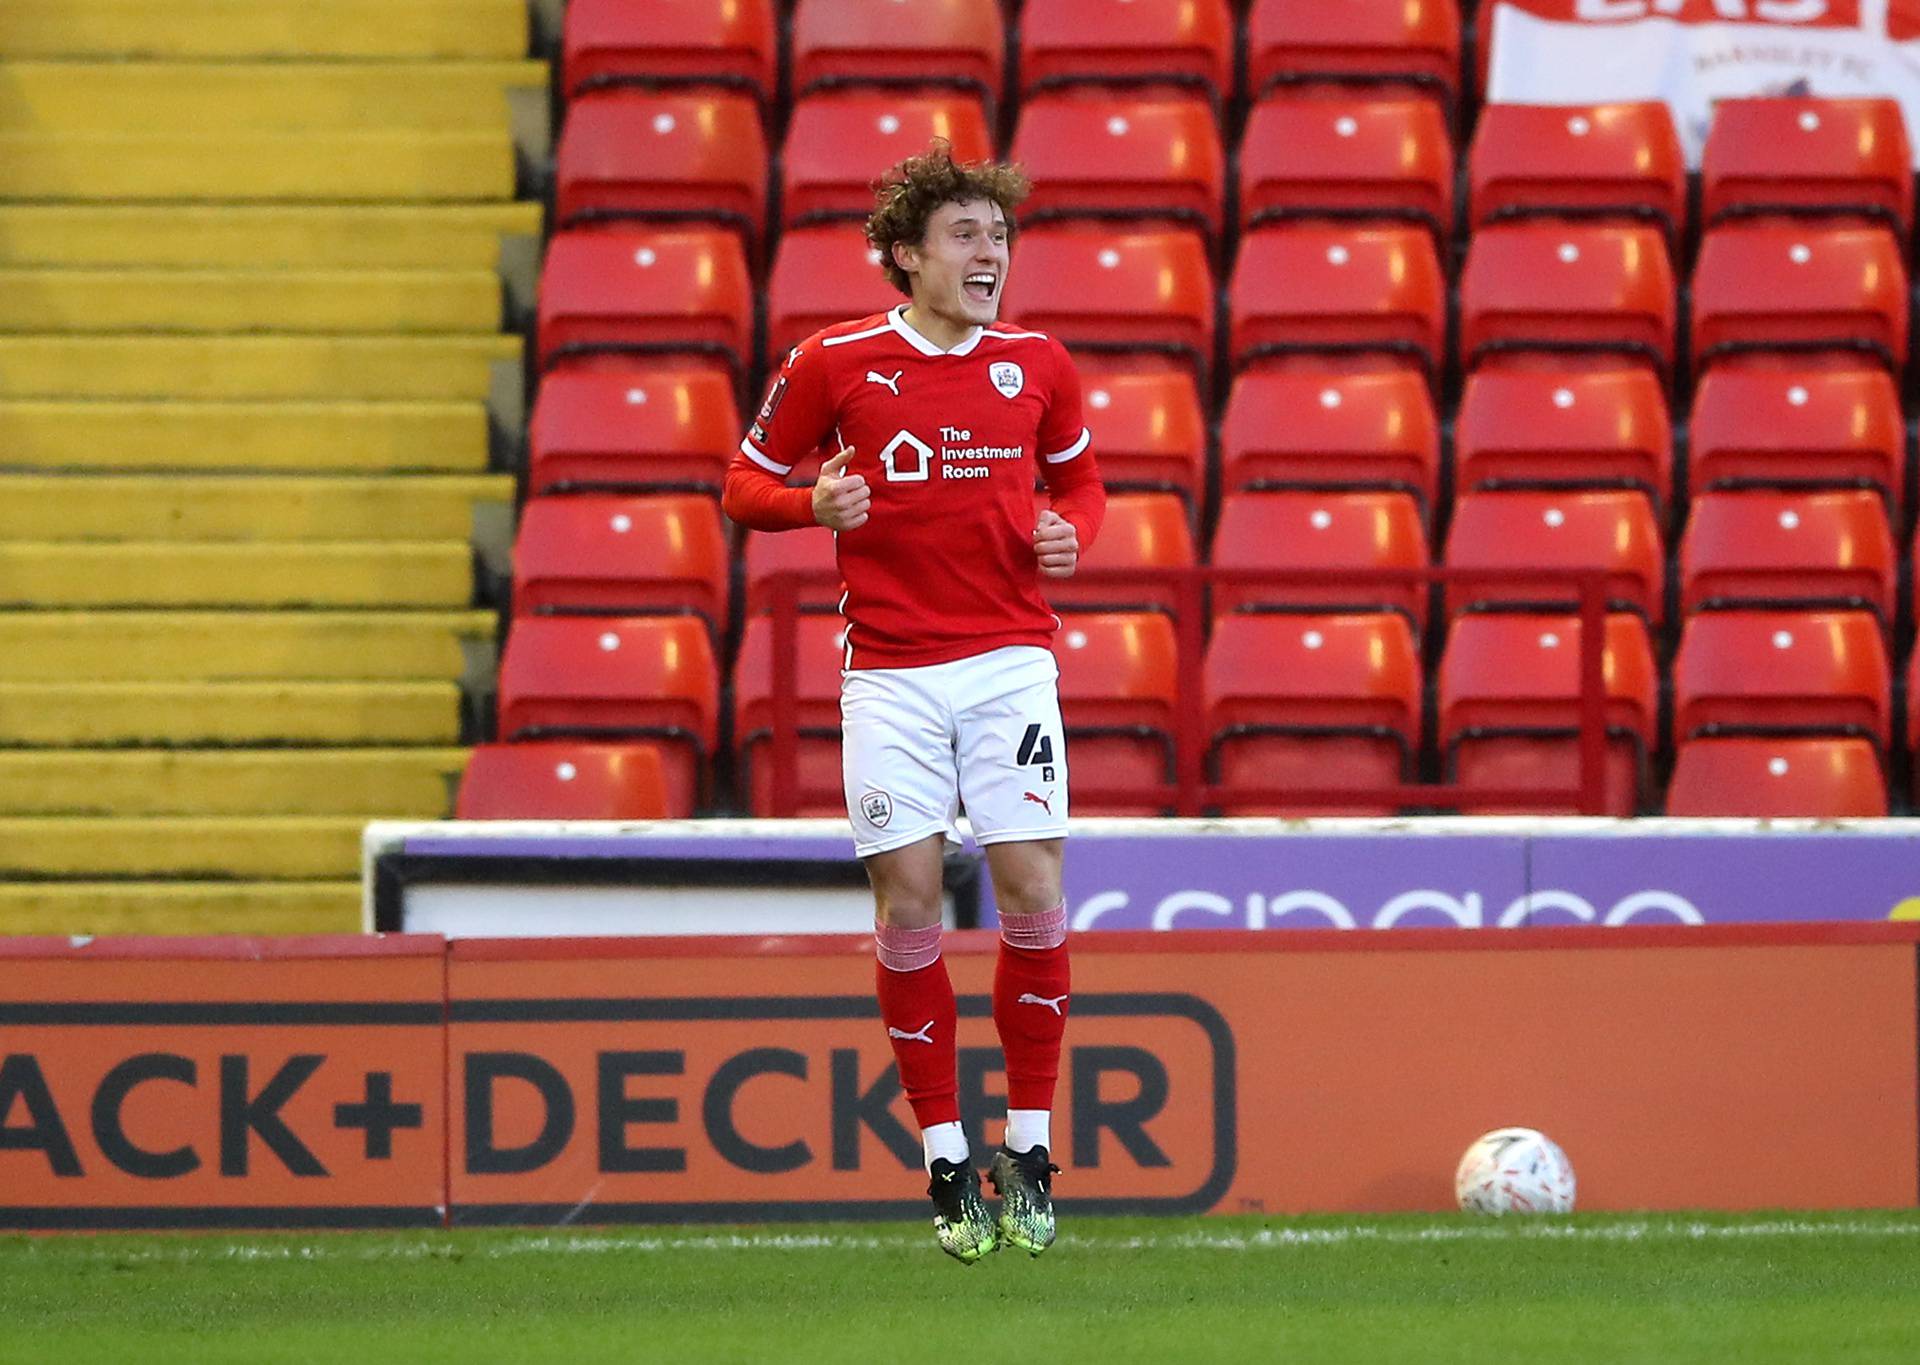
<point x="1186" y="43"/>
<point x="1142" y="293"/>
<point x="645" y="292"/>
<point x="1286" y="429"/>
<point x="562" y="781"/>
<point x="838" y="145"/>
<point x="1131" y="159"/>
<point x="822" y="275"/>
<point x="1794" y="549"/>
<point x="899" y="43"/>
<point x="1509" y="704"/>
<point x="1415" y="43"/>
<point x="685" y="156"/>
<point x="1376" y="292"/>
<point x="1149" y="429"/>
<point x="1564" y="429"/>
<point x="1842" y="157"/>
<point x="1311" y="701"/>
<point x="1612" y="530"/>
<point x="1118" y="698"/>
<point x="1347" y="157"/>
<point x="1561" y="287"/>
<point x="1838" y="292"/>
<point x="1813" y="429"/>
<point x="1321" y="531"/>
<point x="1773" y="779"/>
<point x="1142" y="531"/>
<point x="1913" y="720"/>
<point x="821" y="654"/>
<point x="1782" y="672"/>
<point x="1611" y="161"/>
<point x="605" y="555"/>
<point x="632" y="430"/>
<point x="608" y="43"/>
<point x="615" y="679"/>
<point x="771" y="552"/>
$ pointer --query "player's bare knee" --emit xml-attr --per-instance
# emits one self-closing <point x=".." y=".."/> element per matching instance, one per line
<point x="907" y="909"/>
<point x="1026" y="876"/>
<point x="1027" y="890"/>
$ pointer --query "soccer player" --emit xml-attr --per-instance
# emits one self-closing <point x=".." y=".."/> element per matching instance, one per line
<point x="941" y="415"/>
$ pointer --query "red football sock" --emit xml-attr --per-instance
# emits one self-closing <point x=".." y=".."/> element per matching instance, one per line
<point x="1030" y="987"/>
<point x="916" y="1005"/>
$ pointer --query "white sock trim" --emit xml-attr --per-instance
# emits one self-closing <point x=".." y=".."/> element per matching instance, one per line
<point x="1029" y="1128"/>
<point x="944" y="1142"/>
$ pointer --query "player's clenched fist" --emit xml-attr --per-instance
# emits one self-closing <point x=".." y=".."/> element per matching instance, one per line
<point x="1056" y="545"/>
<point x="840" y="500"/>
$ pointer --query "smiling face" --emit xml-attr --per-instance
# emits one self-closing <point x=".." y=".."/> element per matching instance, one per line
<point x="959" y="268"/>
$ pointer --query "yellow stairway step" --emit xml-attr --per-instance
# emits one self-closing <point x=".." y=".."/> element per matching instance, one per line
<point x="372" y="783"/>
<point x="237" y="164"/>
<point x="179" y="907"/>
<point x="183" y="646"/>
<point x="193" y="97"/>
<point x="264" y="28"/>
<point x="63" y="434"/>
<point x="264" y="236"/>
<point x="119" y="714"/>
<point x="256" y="368"/>
<point x="146" y="300"/>
<point x="114" y="507"/>
<point x="282" y="848"/>
<point x="292" y="573"/>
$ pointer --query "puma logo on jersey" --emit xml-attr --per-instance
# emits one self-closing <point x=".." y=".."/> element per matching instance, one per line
<point x="919" y="1035"/>
<point x="1043" y="802"/>
<point x="893" y="384"/>
<point x="1054" y="1004"/>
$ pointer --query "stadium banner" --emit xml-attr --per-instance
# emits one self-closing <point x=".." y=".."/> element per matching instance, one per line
<point x="151" y="1083"/>
<point x="1692" y="53"/>
<point x="727" y="1080"/>
<point x="756" y="877"/>
<point x="232" y="1083"/>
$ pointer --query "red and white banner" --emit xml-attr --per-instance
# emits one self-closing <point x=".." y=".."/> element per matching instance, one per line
<point x="1692" y="53"/>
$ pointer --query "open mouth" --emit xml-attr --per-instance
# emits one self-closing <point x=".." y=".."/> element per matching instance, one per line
<point x="980" y="287"/>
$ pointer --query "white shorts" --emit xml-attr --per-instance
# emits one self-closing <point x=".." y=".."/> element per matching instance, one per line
<point x="984" y="732"/>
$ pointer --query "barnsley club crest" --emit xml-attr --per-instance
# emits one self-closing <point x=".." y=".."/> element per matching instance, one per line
<point x="1007" y="377"/>
<point x="878" y="808"/>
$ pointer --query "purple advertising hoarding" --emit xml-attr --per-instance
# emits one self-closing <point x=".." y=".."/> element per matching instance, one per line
<point x="1776" y="877"/>
<point x="1140" y="875"/>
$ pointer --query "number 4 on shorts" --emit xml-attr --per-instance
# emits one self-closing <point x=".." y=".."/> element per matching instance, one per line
<point x="1035" y="747"/>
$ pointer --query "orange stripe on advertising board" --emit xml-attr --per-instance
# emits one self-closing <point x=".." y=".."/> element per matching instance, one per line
<point x="747" y="1088"/>
<point x="222" y="1083"/>
<point x="1680" y="1068"/>
<point x="368" y="1082"/>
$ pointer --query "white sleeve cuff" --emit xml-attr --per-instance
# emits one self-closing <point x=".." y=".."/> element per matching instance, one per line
<point x="746" y="449"/>
<point x="1063" y="456"/>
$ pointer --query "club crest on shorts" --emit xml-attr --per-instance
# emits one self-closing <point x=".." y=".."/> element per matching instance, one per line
<point x="878" y="808"/>
<point x="1007" y="377"/>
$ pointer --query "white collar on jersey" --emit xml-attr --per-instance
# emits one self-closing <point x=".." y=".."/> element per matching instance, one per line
<point x="896" y="319"/>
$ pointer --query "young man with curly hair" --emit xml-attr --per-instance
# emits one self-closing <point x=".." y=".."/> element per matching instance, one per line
<point x="941" y="416"/>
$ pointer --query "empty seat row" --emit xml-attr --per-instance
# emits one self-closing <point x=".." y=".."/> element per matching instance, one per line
<point x="666" y="427"/>
<point x="612" y="554"/>
<point x="1334" y="297"/>
<point x="1290" y="703"/>
<point x="1185" y="44"/>
<point x="670" y="154"/>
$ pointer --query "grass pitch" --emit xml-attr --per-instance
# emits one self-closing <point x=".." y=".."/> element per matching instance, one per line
<point x="1595" y="1288"/>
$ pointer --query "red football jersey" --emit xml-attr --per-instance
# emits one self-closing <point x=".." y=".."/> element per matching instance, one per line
<point x="948" y="442"/>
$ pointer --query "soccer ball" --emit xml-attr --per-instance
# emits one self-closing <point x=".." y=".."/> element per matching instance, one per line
<point x="1514" y="1170"/>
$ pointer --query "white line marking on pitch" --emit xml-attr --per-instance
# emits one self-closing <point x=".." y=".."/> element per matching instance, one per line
<point x="1091" y="1240"/>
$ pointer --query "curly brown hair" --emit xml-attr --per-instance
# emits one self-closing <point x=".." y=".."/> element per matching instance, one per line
<point x="909" y="194"/>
